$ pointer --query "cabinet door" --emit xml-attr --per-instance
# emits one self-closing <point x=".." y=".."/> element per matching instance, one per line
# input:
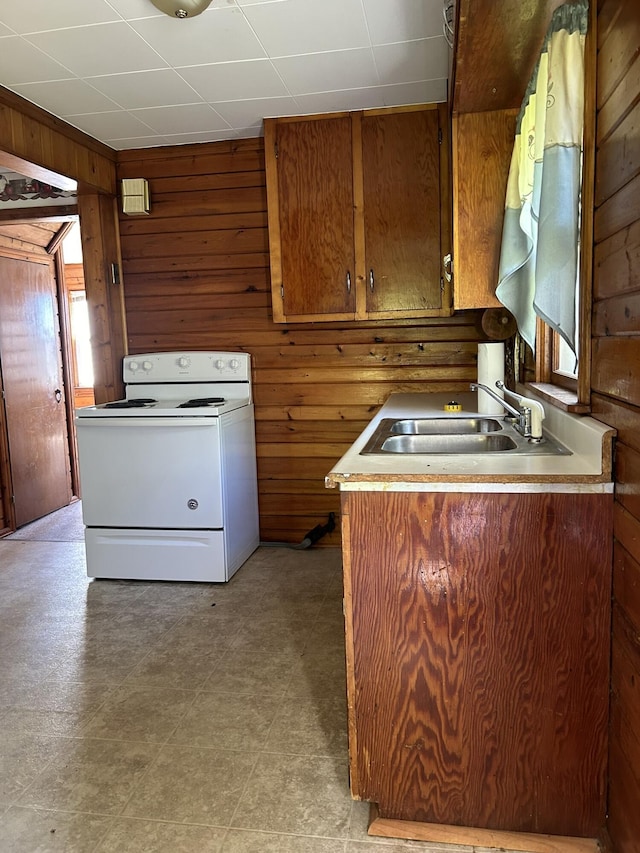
<point x="482" y="146"/>
<point x="311" y="232"/>
<point x="402" y="212"/>
<point x="477" y="641"/>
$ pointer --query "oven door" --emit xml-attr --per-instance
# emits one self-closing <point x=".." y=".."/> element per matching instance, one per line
<point x="150" y="472"/>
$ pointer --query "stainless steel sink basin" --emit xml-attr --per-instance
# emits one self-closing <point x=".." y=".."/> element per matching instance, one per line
<point x="447" y="444"/>
<point x="455" y="435"/>
<point x="445" y="426"/>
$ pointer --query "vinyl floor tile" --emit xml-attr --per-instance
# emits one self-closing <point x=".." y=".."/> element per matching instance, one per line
<point x="142" y="836"/>
<point x="306" y="795"/>
<point x="30" y="830"/>
<point x="95" y="776"/>
<point x="187" y="785"/>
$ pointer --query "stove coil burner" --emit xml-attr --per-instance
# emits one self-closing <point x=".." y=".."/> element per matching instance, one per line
<point x="200" y="402"/>
<point x="135" y="403"/>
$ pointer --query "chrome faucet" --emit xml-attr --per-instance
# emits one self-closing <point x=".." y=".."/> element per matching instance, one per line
<point x="529" y="414"/>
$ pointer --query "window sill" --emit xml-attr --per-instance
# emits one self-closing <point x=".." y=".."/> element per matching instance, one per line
<point x="559" y="397"/>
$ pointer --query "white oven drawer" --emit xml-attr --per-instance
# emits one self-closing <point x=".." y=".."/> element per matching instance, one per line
<point x="150" y="472"/>
<point x="169" y="555"/>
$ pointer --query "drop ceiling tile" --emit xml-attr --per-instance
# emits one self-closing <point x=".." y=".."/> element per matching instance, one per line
<point x="146" y="89"/>
<point x="409" y="61"/>
<point x="424" y="92"/>
<point x="100" y="49"/>
<point x="204" y="136"/>
<point x="130" y="9"/>
<point x="402" y="20"/>
<point x="113" y="125"/>
<point x="136" y="142"/>
<point x="249" y="132"/>
<point x="250" y="113"/>
<point x="255" y="2"/>
<point x="39" y="15"/>
<point x="231" y="81"/>
<point x="193" y="117"/>
<point x="308" y="26"/>
<point x="325" y="72"/>
<point x="21" y="62"/>
<point x="347" y="99"/>
<point x="66" y="97"/>
<point x="217" y="35"/>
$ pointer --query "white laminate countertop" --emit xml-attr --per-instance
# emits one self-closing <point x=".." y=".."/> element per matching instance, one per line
<point x="587" y="469"/>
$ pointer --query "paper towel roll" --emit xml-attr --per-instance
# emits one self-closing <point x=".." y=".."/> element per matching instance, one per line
<point x="490" y="369"/>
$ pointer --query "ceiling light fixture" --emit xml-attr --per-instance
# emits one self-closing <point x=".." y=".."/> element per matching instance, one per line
<point x="181" y="8"/>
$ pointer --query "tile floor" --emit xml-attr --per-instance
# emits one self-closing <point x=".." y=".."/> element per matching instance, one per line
<point x="144" y="717"/>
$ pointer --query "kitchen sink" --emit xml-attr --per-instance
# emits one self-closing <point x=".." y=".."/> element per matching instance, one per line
<point x="445" y="426"/>
<point x="447" y="444"/>
<point x="456" y="435"/>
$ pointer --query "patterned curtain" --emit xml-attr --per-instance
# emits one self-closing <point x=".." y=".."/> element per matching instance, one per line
<point x="539" y="261"/>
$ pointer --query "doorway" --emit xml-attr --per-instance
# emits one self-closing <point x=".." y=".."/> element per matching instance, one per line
<point x="33" y="389"/>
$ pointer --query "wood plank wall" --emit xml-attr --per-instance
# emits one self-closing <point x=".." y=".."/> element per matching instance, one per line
<point x="196" y="276"/>
<point x="616" y="382"/>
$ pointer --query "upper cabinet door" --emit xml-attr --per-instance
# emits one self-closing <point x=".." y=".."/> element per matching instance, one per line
<point x="359" y="214"/>
<point x="311" y="229"/>
<point x="401" y="189"/>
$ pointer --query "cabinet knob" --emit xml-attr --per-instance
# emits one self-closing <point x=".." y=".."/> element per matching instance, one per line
<point x="447" y="264"/>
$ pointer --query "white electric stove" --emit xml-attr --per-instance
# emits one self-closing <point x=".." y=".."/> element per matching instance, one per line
<point x="168" y="475"/>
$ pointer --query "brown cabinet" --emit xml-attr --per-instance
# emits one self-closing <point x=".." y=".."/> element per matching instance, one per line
<point x="478" y="656"/>
<point x="356" y="227"/>
<point x="482" y="146"/>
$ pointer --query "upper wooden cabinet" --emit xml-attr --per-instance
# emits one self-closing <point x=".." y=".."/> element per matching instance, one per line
<point x="485" y="98"/>
<point x="355" y="202"/>
<point x="482" y="146"/>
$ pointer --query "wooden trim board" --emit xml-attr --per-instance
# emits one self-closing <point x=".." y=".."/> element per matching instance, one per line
<point x="526" y="842"/>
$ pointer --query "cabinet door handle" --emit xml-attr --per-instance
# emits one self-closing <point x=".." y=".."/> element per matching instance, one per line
<point x="447" y="263"/>
<point x="58" y="395"/>
<point x="348" y="282"/>
<point x="371" y="280"/>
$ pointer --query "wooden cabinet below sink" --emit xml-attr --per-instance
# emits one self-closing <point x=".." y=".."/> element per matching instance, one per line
<point x="478" y="656"/>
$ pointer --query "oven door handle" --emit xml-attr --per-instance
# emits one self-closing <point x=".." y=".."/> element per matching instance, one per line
<point x="146" y="422"/>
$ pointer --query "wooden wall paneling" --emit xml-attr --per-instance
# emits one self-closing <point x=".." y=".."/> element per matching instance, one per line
<point x="32" y="140"/>
<point x="196" y="276"/>
<point x="615" y="367"/>
<point x="619" y="157"/>
<point x="617" y="263"/>
<point x="619" y="47"/>
<point x="617" y="316"/>
<point x="626" y="584"/>
<point x="108" y="335"/>
<point x="616" y="397"/>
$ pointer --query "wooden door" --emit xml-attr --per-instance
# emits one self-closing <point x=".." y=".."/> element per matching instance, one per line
<point x="401" y="178"/>
<point x="30" y="358"/>
<point x="312" y="241"/>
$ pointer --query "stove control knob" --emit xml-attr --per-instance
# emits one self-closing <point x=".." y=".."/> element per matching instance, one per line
<point x="183" y="361"/>
<point x="219" y="364"/>
<point x="234" y="364"/>
<point x="146" y="365"/>
<point x="133" y="366"/>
